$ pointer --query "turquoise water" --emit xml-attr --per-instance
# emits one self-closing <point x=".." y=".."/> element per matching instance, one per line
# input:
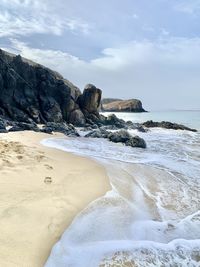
<point x="189" y="118"/>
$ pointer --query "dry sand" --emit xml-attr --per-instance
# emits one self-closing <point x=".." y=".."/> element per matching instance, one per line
<point x="41" y="191"/>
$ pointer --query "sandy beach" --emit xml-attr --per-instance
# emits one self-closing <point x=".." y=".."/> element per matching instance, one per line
<point x="41" y="191"/>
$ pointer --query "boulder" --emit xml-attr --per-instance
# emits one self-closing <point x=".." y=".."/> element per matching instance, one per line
<point x="98" y="133"/>
<point x="90" y="100"/>
<point x="167" y="125"/>
<point x="77" y="118"/>
<point x="123" y="136"/>
<point x="30" y="92"/>
<point x="112" y="122"/>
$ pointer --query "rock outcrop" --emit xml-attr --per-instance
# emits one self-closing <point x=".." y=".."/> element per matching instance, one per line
<point x="90" y="102"/>
<point x="117" y="105"/>
<point x="167" y="125"/>
<point x="2" y="127"/>
<point x="105" y="101"/>
<point x="30" y="92"/>
<point x="121" y="136"/>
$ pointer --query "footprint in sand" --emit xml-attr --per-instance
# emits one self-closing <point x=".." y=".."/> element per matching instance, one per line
<point x="49" y="167"/>
<point x="39" y="158"/>
<point x="19" y="157"/>
<point x="48" y="180"/>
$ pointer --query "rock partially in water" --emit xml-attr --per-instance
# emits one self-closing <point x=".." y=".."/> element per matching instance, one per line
<point x="98" y="133"/>
<point x="112" y="122"/>
<point x="121" y="136"/>
<point x="167" y="125"/>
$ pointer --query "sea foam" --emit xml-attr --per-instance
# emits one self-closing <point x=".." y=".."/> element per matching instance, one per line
<point x="150" y="218"/>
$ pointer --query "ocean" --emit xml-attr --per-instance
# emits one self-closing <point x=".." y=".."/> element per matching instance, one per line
<point x="151" y="217"/>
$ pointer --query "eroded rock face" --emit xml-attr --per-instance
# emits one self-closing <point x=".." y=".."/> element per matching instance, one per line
<point x="2" y="127"/>
<point x="30" y="92"/>
<point x="90" y="99"/>
<point x="77" y="118"/>
<point x="116" y="105"/>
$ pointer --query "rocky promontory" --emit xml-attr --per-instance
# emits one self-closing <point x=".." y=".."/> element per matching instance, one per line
<point x="30" y="92"/>
<point x="119" y="105"/>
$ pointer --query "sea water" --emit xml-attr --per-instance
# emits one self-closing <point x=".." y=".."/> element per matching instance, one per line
<point x="151" y="217"/>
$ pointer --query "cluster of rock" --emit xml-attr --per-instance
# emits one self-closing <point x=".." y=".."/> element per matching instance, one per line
<point x="119" y="105"/>
<point x="50" y="127"/>
<point x="167" y="125"/>
<point x="31" y="94"/>
<point x="121" y="136"/>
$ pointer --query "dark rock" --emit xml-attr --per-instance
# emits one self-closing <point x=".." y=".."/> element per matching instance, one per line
<point x="98" y="133"/>
<point x="77" y="118"/>
<point x="136" y="141"/>
<point x="118" y="105"/>
<point x="167" y="125"/>
<point x="90" y="99"/>
<point x="3" y="127"/>
<point x="30" y="92"/>
<point x="113" y="120"/>
<point x="123" y="136"/>
<point x="21" y="126"/>
<point x="67" y="129"/>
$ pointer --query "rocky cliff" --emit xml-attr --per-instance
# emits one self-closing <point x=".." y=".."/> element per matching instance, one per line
<point x="118" y="105"/>
<point x="30" y="92"/>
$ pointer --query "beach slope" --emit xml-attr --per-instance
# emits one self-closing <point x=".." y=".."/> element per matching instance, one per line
<point x="41" y="191"/>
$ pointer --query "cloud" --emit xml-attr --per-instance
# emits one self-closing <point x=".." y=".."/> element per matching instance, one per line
<point x="189" y="6"/>
<point x="26" y="17"/>
<point x="164" y="73"/>
<point x="135" y="16"/>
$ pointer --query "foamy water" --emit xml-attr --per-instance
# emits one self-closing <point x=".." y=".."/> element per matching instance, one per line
<point x="152" y="215"/>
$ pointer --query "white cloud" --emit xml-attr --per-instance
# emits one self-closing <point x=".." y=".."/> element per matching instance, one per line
<point x="164" y="74"/>
<point x="135" y="16"/>
<point x="164" y="32"/>
<point x="189" y="6"/>
<point x="25" y="17"/>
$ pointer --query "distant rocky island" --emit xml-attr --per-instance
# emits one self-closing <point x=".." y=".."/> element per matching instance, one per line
<point x="119" y="105"/>
<point x="31" y="94"/>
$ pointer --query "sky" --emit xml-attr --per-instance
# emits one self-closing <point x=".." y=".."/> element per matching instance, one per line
<point x="145" y="49"/>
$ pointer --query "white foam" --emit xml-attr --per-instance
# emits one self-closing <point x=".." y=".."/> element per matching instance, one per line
<point x="151" y="213"/>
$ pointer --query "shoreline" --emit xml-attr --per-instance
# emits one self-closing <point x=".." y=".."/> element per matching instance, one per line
<point x="41" y="195"/>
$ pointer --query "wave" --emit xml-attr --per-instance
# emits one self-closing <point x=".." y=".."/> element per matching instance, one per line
<point x="150" y="218"/>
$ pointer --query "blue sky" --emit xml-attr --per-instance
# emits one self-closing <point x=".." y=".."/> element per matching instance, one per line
<point x="146" y="49"/>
